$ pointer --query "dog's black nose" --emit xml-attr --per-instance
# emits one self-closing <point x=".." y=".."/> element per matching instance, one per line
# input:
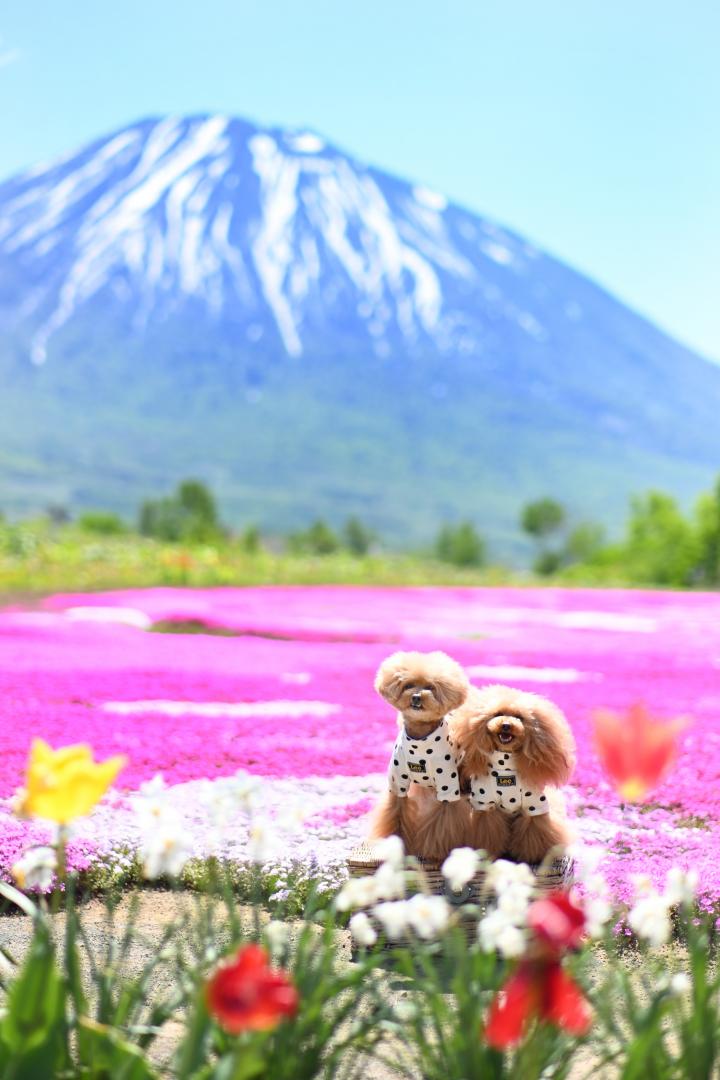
<point x="416" y="699"/>
<point x="505" y="727"/>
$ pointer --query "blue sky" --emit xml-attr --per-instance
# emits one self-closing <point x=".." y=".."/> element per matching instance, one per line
<point x="590" y="127"/>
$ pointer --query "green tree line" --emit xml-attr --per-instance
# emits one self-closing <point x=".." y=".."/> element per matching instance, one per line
<point x="661" y="544"/>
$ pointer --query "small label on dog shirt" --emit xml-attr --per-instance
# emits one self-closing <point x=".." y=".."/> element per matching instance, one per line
<point x="417" y="766"/>
<point x="506" y="781"/>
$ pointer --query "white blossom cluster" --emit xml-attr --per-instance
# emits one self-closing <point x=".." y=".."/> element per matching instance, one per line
<point x="503" y="928"/>
<point x="649" y="917"/>
<point x="384" y="893"/>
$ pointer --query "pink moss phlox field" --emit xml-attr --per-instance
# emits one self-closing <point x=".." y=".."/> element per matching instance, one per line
<point x="290" y="696"/>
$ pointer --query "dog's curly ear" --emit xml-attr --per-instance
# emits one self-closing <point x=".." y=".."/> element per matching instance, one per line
<point x="390" y="678"/>
<point x="473" y="741"/>
<point x="450" y="682"/>
<point x="548" y="749"/>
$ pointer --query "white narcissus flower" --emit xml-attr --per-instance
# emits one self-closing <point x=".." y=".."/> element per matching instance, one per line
<point x="498" y="933"/>
<point x="650" y="919"/>
<point x="356" y="892"/>
<point x="164" y="847"/>
<point x="405" y="1010"/>
<point x="514" y="902"/>
<point x="362" y="929"/>
<point x="681" y="886"/>
<point x="504" y="875"/>
<point x="596" y="885"/>
<point x="642" y="884"/>
<point x="152" y="789"/>
<point x="263" y="840"/>
<point x="427" y="915"/>
<point x="389" y="882"/>
<point x="277" y="934"/>
<point x="389" y="850"/>
<point x="246" y="789"/>
<point x="585" y="859"/>
<point x="598" y="911"/>
<point x="36" y="868"/>
<point x="680" y="984"/>
<point x="393" y="916"/>
<point x="460" y="867"/>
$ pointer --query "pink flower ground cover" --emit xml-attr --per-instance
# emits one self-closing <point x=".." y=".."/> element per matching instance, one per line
<point x="290" y="699"/>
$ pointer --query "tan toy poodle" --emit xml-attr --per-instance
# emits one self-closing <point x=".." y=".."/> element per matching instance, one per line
<point x="424" y="804"/>
<point x="516" y="749"/>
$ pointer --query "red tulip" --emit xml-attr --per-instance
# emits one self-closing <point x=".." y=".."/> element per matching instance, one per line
<point x="557" y="922"/>
<point x="247" y="995"/>
<point x="539" y="988"/>
<point x="635" y="749"/>
<point x="536" y="990"/>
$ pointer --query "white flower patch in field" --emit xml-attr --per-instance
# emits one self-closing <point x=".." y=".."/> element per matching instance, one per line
<point x="611" y="621"/>
<point x="305" y="827"/>
<point x="126" y="616"/>
<point x="223" y="708"/>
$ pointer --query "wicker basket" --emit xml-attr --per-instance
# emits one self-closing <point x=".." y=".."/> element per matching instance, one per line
<point x="555" y="875"/>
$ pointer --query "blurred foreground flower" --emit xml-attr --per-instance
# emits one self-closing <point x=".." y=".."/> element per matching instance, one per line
<point x="636" y="749"/>
<point x="362" y="929"/>
<point x="557" y="922"/>
<point x="460" y="867"/>
<point x="650" y="917"/>
<point x="36" y="869"/>
<point x="64" y="784"/>
<point x="539" y="988"/>
<point x="247" y="995"/>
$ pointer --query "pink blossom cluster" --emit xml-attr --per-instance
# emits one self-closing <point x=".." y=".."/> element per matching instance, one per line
<point x="301" y="670"/>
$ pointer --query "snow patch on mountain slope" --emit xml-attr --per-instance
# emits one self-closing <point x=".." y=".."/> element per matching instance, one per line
<point x="273" y="247"/>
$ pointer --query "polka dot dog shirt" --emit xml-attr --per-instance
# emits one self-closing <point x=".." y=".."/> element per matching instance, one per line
<point x="430" y="761"/>
<point x="501" y="786"/>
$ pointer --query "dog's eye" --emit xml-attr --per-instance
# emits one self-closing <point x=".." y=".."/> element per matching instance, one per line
<point x="430" y="687"/>
<point x="408" y="686"/>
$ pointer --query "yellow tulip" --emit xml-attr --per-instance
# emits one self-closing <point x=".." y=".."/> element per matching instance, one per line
<point x="64" y="784"/>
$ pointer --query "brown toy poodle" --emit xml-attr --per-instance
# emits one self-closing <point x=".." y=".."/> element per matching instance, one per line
<point x="424" y="804"/>
<point x="516" y="748"/>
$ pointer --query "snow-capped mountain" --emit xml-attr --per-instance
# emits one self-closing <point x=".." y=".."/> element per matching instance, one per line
<point x="320" y="306"/>
<point x="274" y="231"/>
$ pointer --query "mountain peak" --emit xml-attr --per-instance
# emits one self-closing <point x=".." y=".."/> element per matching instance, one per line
<point x="273" y="228"/>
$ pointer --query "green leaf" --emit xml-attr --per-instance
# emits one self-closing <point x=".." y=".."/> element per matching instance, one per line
<point x="19" y="899"/>
<point x="106" y="1054"/>
<point x="33" y="1031"/>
